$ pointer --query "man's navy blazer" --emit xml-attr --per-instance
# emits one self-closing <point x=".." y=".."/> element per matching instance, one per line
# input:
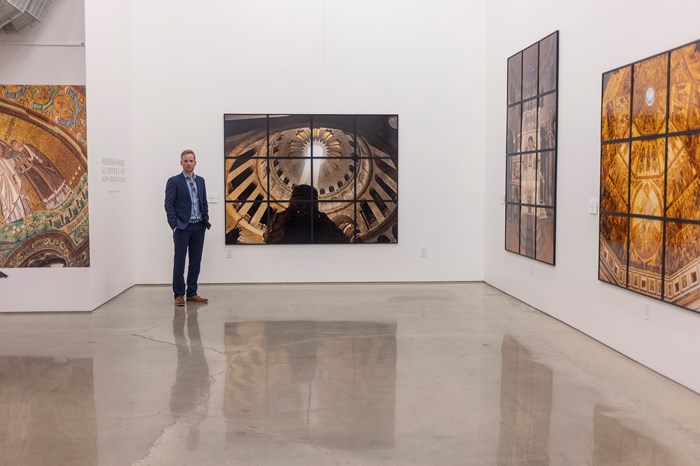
<point x="178" y="204"/>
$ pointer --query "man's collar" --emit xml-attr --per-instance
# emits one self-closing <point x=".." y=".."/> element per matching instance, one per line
<point x="194" y="177"/>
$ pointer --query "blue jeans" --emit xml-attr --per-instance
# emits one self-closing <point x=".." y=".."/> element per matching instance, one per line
<point x="188" y="241"/>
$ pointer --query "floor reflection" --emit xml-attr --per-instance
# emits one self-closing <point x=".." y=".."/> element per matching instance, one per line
<point x="189" y="396"/>
<point x="618" y="444"/>
<point x="526" y="407"/>
<point x="328" y="383"/>
<point x="47" y="411"/>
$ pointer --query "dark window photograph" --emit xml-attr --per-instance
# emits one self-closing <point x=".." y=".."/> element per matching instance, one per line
<point x="311" y="179"/>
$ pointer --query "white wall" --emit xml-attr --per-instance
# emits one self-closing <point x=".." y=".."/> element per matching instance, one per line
<point x="48" y="52"/>
<point x="594" y="37"/>
<point x="51" y="53"/>
<point x="112" y="204"/>
<point x="422" y="60"/>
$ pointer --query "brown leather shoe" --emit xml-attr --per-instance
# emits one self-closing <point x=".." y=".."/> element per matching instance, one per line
<point x="179" y="300"/>
<point x="197" y="299"/>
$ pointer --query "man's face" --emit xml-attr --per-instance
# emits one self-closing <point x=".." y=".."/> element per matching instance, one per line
<point x="16" y="145"/>
<point x="188" y="162"/>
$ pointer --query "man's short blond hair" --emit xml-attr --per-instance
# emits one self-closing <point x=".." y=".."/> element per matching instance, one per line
<point x="187" y="151"/>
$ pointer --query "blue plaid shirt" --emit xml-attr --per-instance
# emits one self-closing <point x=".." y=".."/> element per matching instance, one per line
<point x="196" y="214"/>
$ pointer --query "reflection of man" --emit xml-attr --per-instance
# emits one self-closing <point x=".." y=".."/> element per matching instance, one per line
<point x="41" y="173"/>
<point x="295" y="224"/>
<point x="188" y="215"/>
<point x="13" y="206"/>
<point x="190" y="392"/>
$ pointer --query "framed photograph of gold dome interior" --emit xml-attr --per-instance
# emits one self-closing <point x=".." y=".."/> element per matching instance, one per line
<point x="531" y="150"/>
<point x="311" y="179"/>
<point x="649" y="235"/>
<point x="44" y="218"/>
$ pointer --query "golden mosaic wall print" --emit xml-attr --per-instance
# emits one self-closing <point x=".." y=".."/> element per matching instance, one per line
<point x="43" y="176"/>
<point x="649" y="234"/>
<point x="311" y="179"/>
<point x="531" y="150"/>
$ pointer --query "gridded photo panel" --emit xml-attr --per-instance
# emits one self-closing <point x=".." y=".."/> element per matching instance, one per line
<point x="530" y="71"/>
<point x="649" y="96"/>
<point x="528" y="132"/>
<point x="547" y="122"/>
<point x="311" y="172"/>
<point x="546" y="167"/>
<point x="245" y="179"/>
<point x="682" y="264"/>
<point x="684" y="108"/>
<point x="649" y="180"/>
<point x="513" y="228"/>
<point x="613" y="244"/>
<point x="246" y="222"/>
<point x="614" y="177"/>
<point x="683" y="184"/>
<point x="528" y="178"/>
<point x="245" y="136"/>
<point x="515" y="78"/>
<point x="528" y="231"/>
<point x="548" y="63"/>
<point x="377" y="136"/>
<point x="544" y="235"/>
<point x="377" y="222"/>
<point x="645" y="254"/>
<point x="531" y="150"/>
<point x="308" y="222"/>
<point x="513" y="136"/>
<point x="647" y="177"/>
<point x="513" y="178"/>
<point x="615" y="114"/>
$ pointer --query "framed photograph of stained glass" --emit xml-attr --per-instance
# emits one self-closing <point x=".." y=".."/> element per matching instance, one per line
<point x="531" y="150"/>
<point x="649" y="235"/>
<point x="311" y="179"/>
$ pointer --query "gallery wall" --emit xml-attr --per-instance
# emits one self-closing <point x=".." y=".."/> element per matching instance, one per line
<point x="422" y="61"/>
<point x="594" y="38"/>
<point x="62" y="50"/>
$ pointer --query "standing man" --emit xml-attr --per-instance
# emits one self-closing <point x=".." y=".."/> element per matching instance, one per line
<point x="188" y="215"/>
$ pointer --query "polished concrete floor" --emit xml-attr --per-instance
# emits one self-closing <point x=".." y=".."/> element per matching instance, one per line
<point x="395" y="374"/>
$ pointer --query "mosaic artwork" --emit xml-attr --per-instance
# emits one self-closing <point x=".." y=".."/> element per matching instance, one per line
<point x="311" y="179"/>
<point x="43" y="177"/>
<point x="531" y="150"/>
<point x="650" y="177"/>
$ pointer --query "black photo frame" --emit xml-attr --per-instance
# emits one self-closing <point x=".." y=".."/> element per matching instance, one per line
<point x="649" y="230"/>
<point x="531" y="150"/>
<point x="311" y="178"/>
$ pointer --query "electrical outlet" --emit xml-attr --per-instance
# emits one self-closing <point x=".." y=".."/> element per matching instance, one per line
<point x="647" y="311"/>
<point x="424" y="252"/>
<point x="229" y="253"/>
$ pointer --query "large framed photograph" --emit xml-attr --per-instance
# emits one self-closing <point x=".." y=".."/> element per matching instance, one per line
<point x="43" y="176"/>
<point x="311" y="179"/>
<point x="649" y="235"/>
<point x="531" y="150"/>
